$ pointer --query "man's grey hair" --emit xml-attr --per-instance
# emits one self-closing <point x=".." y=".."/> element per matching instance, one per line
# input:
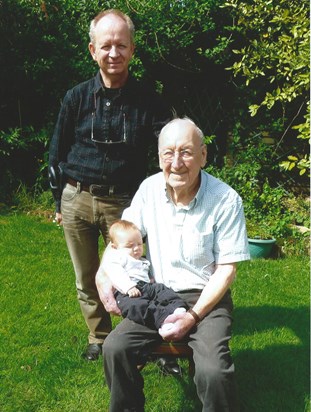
<point x="199" y="132"/>
<point x="115" y="12"/>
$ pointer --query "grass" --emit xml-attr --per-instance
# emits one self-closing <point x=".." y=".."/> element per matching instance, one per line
<point x="42" y="333"/>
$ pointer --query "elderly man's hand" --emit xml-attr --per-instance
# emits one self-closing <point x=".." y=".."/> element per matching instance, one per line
<point x="181" y="325"/>
<point x="105" y="292"/>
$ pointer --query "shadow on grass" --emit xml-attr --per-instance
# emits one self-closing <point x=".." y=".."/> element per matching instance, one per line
<point x="274" y="377"/>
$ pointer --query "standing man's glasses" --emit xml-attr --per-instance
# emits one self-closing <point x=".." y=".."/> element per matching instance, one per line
<point x="124" y="135"/>
<point x="116" y="141"/>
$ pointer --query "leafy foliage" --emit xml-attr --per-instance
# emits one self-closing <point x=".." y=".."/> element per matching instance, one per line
<point x="270" y="210"/>
<point x="275" y="57"/>
<point x="183" y="47"/>
<point x="21" y="159"/>
<point x="44" y="44"/>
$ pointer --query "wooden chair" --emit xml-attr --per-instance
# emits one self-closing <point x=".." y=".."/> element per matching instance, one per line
<point x="176" y="350"/>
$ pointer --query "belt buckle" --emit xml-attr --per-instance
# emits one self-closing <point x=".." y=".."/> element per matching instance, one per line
<point x="98" y="190"/>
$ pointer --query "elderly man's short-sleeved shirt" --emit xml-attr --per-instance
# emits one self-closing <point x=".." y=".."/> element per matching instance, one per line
<point x="185" y="243"/>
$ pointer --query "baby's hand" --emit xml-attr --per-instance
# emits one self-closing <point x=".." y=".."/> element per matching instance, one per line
<point x="134" y="292"/>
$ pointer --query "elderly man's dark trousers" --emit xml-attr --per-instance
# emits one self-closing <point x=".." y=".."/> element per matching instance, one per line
<point x="214" y="369"/>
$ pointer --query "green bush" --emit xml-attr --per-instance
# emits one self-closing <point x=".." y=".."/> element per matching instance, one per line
<point x="270" y="210"/>
<point x="33" y="202"/>
<point x="23" y="153"/>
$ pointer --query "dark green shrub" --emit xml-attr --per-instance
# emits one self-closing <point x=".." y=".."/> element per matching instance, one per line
<point x="23" y="153"/>
<point x="270" y="210"/>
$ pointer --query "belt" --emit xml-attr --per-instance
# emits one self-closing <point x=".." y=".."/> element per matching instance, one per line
<point x="99" y="190"/>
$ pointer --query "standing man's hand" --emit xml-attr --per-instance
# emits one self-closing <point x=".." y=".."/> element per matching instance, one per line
<point x="58" y="218"/>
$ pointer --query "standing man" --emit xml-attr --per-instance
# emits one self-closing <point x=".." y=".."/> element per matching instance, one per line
<point x="195" y="230"/>
<point x="98" y="157"/>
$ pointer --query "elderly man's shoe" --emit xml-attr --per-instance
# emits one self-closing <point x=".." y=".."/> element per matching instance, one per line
<point x="93" y="351"/>
<point x="169" y="366"/>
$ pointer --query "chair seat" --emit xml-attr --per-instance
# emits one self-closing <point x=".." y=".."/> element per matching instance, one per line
<point x="177" y="350"/>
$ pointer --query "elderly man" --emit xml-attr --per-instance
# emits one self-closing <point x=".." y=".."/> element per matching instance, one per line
<point x="195" y="232"/>
<point x="98" y="157"/>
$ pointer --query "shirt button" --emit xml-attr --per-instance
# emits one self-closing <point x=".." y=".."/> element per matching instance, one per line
<point x="108" y="104"/>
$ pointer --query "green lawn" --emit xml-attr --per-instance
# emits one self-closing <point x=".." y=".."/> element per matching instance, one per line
<point x="43" y="334"/>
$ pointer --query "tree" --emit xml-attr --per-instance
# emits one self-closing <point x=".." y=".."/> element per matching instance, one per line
<point x="275" y="56"/>
<point x="44" y="47"/>
<point x="183" y="46"/>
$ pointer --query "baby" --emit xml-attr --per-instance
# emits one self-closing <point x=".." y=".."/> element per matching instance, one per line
<point x="137" y="295"/>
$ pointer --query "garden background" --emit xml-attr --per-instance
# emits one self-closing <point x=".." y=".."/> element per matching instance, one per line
<point x="239" y="70"/>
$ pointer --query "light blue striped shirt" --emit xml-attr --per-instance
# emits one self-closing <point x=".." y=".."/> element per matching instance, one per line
<point x="185" y="243"/>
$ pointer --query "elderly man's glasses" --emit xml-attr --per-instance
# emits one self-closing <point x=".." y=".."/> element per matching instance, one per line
<point x="169" y="155"/>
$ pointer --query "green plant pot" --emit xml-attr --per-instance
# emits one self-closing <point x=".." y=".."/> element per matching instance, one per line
<point x="260" y="248"/>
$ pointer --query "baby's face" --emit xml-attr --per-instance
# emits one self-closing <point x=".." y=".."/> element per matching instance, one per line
<point x="131" y="242"/>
